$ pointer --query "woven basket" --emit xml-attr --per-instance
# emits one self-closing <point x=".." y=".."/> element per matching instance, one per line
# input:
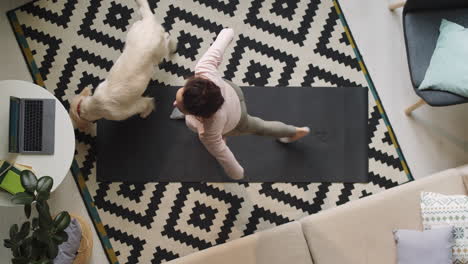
<point x="86" y="244"/>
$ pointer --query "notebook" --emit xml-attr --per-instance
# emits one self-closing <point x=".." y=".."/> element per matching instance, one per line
<point x="10" y="180"/>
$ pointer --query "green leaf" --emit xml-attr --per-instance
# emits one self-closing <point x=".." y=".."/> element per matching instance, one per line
<point x="20" y="260"/>
<point x="27" y="210"/>
<point x="24" y="231"/>
<point x="42" y="235"/>
<point x="13" y="231"/>
<point x="45" y="261"/>
<point x="61" y="237"/>
<point x="43" y="196"/>
<point x="45" y="219"/>
<point x="26" y="247"/>
<point x="35" y="223"/>
<point x="29" y="181"/>
<point x="7" y="243"/>
<point x="44" y="185"/>
<point x="36" y="250"/>
<point x="44" y="223"/>
<point x="62" y="221"/>
<point x="52" y="250"/>
<point x="16" y="252"/>
<point x="22" y="198"/>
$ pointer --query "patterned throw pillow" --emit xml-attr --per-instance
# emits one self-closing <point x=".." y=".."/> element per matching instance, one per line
<point x="441" y="210"/>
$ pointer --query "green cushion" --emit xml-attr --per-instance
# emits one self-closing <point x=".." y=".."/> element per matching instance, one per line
<point x="448" y="69"/>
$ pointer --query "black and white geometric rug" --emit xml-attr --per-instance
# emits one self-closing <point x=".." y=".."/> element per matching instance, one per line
<point x="71" y="44"/>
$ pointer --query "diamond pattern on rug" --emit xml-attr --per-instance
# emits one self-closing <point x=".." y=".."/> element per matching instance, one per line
<point x="44" y="47"/>
<point x="277" y="43"/>
<point x="270" y="17"/>
<point x="221" y="206"/>
<point x="202" y="216"/>
<point x="140" y="211"/>
<point x="59" y="13"/>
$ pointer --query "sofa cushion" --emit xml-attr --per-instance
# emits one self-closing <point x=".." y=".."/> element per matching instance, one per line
<point x="448" y="68"/>
<point x="465" y="178"/>
<point x="282" y="244"/>
<point x="361" y="231"/>
<point x="428" y="246"/>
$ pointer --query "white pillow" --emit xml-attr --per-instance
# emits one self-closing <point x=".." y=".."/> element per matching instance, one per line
<point x="448" y="210"/>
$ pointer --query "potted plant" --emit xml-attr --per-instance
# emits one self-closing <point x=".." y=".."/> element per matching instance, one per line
<point x="38" y="239"/>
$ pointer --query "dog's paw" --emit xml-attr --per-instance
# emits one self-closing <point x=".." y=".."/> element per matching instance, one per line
<point x="145" y="114"/>
<point x="173" y="46"/>
<point x="149" y="108"/>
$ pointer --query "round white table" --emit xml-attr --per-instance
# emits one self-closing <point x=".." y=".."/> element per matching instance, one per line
<point x="56" y="165"/>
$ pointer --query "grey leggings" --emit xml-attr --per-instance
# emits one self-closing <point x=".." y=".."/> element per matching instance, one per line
<point x="256" y="126"/>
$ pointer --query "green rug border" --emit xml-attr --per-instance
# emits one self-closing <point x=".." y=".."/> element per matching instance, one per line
<point x="78" y="176"/>
<point x="380" y="106"/>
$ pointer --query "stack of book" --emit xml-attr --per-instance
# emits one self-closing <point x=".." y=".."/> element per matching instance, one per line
<point x="10" y="179"/>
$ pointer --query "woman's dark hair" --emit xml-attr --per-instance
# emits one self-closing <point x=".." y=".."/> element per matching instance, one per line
<point x="202" y="97"/>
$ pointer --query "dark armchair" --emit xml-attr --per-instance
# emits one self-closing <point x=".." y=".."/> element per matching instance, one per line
<point x="421" y="22"/>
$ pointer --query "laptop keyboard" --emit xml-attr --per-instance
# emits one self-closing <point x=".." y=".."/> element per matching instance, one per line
<point x="33" y="125"/>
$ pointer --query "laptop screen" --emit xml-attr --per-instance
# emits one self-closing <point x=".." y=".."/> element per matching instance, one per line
<point x="14" y="124"/>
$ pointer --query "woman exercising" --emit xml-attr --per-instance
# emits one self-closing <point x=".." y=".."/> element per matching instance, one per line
<point x="215" y="108"/>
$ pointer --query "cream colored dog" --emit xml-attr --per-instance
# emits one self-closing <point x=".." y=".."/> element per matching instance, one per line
<point x="120" y="95"/>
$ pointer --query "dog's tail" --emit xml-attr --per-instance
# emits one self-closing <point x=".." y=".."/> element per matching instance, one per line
<point x="145" y="9"/>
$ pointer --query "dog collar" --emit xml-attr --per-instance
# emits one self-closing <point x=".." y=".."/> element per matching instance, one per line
<point x="78" y="111"/>
<point x="78" y="108"/>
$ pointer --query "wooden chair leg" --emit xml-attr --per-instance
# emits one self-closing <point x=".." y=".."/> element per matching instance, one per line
<point x="410" y="109"/>
<point x="396" y="5"/>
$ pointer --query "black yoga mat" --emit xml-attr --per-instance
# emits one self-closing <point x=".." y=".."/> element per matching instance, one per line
<point x="158" y="149"/>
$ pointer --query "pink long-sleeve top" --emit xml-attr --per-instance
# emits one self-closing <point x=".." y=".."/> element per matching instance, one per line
<point x="211" y="130"/>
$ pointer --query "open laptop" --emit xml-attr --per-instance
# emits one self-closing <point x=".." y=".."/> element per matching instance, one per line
<point x="32" y="125"/>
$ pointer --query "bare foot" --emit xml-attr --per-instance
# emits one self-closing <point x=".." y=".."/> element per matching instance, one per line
<point x="300" y="133"/>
